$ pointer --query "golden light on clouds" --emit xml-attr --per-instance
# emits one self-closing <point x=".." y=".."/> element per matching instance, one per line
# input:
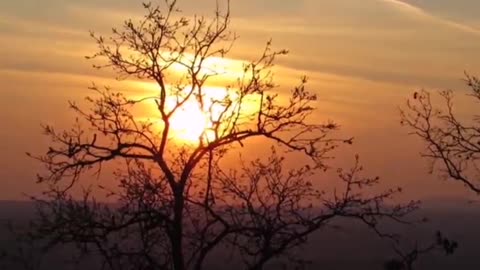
<point x="223" y="70"/>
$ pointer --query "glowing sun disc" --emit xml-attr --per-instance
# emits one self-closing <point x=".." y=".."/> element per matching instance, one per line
<point x="189" y="122"/>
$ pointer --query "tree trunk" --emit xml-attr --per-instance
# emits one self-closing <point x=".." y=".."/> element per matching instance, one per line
<point x="176" y="236"/>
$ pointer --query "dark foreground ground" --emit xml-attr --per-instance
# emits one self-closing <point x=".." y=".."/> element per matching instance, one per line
<point x="349" y="247"/>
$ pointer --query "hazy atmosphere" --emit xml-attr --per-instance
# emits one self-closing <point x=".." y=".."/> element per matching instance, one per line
<point x="363" y="59"/>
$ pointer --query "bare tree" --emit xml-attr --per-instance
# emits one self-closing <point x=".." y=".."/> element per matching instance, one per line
<point x="177" y="205"/>
<point x="450" y="141"/>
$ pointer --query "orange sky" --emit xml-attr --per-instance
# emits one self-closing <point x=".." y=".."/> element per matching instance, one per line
<point x="363" y="58"/>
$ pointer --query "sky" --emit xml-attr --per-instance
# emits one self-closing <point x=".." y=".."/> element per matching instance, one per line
<point x="364" y="58"/>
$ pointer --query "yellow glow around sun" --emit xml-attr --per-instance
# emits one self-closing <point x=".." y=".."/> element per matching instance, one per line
<point x="190" y="123"/>
<point x="193" y="122"/>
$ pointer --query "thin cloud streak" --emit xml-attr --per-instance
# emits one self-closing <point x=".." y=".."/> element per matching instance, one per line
<point x="423" y="13"/>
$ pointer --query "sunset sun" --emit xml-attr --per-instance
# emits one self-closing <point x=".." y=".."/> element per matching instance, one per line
<point x="189" y="122"/>
<point x="194" y="120"/>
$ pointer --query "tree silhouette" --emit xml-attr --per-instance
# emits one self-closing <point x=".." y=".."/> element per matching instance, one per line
<point x="452" y="142"/>
<point x="176" y="205"/>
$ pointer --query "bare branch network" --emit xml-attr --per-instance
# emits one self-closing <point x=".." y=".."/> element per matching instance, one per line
<point x="176" y="205"/>
<point x="450" y="142"/>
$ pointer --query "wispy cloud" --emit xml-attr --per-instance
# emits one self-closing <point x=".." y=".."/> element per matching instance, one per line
<point x="407" y="7"/>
